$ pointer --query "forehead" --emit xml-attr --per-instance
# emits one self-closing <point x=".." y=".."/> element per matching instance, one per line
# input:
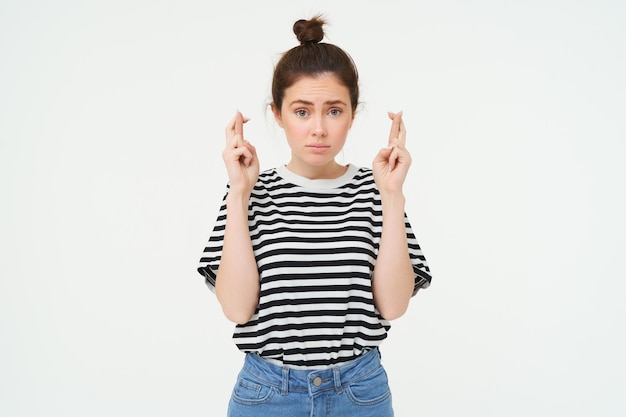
<point x="322" y="87"/>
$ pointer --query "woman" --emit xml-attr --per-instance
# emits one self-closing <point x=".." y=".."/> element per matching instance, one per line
<point x="313" y="259"/>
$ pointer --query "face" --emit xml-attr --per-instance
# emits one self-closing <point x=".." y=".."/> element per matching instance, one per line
<point x="316" y="116"/>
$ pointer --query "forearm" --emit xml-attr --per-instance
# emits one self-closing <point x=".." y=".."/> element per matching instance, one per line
<point x="237" y="283"/>
<point x="393" y="279"/>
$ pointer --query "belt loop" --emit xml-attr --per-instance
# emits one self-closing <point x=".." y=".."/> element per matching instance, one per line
<point x="285" y="388"/>
<point x="337" y="378"/>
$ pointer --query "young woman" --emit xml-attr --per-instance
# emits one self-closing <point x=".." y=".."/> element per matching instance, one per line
<point x="313" y="259"/>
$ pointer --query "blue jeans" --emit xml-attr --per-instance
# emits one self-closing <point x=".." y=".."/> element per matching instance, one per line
<point x="356" y="388"/>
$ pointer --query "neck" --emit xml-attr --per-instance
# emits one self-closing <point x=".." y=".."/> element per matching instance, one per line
<point x="329" y="171"/>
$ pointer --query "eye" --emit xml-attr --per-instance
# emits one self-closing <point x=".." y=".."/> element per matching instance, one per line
<point x="302" y="113"/>
<point x="335" y="112"/>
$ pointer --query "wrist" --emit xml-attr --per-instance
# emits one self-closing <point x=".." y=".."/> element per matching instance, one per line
<point x="393" y="199"/>
<point x="393" y="205"/>
<point x="237" y="199"/>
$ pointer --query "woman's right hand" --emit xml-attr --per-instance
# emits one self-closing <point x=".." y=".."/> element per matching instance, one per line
<point x="240" y="158"/>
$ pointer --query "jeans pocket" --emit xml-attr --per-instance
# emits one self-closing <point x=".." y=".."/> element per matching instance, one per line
<point x="250" y="392"/>
<point x="371" y="390"/>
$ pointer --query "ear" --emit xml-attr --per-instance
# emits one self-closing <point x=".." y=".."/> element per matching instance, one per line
<point x="277" y="115"/>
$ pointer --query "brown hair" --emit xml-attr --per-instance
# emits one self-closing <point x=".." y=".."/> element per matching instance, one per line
<point x="313" y="58"/>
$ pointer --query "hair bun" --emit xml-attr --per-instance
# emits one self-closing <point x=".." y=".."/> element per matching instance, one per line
<point x="309" y="31"/>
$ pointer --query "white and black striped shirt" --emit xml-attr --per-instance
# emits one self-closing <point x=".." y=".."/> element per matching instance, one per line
<point x="315" y="243"/>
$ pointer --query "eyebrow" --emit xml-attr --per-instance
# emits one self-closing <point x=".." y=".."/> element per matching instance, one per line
<point x="309" y="103"/>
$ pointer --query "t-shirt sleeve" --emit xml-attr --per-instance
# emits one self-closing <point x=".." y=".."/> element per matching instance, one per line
<point x="418" y="260"/>
<point x="212" y="254"/>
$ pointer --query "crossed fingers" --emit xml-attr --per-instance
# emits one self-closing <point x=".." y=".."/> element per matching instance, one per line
<point x="397" y="138"/>
<point x="397" y="134"/>
<point x="235" y="141"/>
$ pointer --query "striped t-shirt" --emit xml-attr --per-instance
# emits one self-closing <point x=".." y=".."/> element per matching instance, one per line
<point x="315" y="243"/>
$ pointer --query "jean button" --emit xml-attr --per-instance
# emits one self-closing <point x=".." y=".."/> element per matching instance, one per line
<point x="317" y="381"/>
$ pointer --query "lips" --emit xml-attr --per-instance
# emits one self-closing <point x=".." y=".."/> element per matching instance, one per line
<point x="318" y="147"/>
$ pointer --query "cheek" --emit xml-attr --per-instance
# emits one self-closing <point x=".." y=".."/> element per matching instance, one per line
<point x="295" y="129"/>
<point x="343" y="128"/>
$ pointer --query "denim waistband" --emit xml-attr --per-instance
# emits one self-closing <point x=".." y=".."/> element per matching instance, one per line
<point x="287" y="379"/>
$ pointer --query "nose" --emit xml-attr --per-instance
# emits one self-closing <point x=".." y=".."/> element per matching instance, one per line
<point x="320" y="127"/>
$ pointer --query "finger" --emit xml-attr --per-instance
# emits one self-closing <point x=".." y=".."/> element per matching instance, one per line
<point x="394" y="132"/>
<point x="250" y="147"/>
<point x="383" y="155"/>
<point x="395" y="124"/>
<point x="232" y="141"/>
<point x="239" y="128"/>
<point x="393" y="159"/>
<point x="246" y="157"/>
<point x="245" y="153"/>
<point x="400" y="156"/>
<point x="230" y="128"/>
<point x="402" y="133"/>
<point x="240" y="154"/>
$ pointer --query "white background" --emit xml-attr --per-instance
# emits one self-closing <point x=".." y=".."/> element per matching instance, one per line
<point x="111" y="128"/>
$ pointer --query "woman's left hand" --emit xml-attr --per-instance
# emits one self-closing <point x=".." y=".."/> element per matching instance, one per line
<point x="391" y="164"/>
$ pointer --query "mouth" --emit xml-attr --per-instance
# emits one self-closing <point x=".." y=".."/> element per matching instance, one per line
<point x="318" y="148"/>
